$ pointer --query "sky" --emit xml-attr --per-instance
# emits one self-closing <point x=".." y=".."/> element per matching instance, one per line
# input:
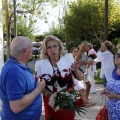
<point x="52" y="17"/>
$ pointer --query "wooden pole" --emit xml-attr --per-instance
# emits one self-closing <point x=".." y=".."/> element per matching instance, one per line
<point x="1" y="37"/>
<point x="106" y="20"/>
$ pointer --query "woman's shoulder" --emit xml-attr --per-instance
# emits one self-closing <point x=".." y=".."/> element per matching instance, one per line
<point x="107" y="52"/>
<point x="68" y="57"/>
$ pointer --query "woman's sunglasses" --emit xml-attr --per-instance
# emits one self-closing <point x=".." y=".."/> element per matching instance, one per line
<point x="117" y="55"/>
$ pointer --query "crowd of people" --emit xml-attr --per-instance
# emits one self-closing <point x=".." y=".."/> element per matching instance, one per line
<point x="22" y="92"/>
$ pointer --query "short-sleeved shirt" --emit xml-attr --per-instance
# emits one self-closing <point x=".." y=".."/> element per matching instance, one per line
<point x="16" y="80"/>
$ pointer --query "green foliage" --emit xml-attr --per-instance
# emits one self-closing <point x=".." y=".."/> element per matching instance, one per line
<point x="31" y="10"/>
<point x="66" y="101"/>
<point x="57" y="31"/>
<point x="97" y="78"/>
<point x="83" y="18"/>
<point x="24" y="29"/>
<point x="86" y="19"/>
<point x="39" y="38"/>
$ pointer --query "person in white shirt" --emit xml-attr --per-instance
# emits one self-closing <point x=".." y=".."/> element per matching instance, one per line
<point x="106" y="56"/>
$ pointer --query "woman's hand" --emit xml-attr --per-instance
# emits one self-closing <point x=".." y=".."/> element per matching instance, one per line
<point x="90" y="62"/>
<point x="110" y="95"/>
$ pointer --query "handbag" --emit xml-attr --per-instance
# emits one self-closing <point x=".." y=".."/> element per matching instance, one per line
<point x="102" y="114"/>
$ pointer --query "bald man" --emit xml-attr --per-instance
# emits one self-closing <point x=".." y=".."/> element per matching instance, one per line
<point x="20" y="93"/>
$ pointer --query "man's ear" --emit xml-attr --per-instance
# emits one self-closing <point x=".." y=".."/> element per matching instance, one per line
<point x="24" y="51"/>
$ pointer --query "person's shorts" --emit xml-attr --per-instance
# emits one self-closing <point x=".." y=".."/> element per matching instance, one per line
<point x="86" y="77"/>
<point x="78" y="84"/>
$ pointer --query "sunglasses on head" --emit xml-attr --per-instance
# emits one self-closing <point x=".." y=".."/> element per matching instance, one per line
<point x="117" y="55"/>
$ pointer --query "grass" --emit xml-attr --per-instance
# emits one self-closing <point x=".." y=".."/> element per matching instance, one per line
<point x="97" y="78"/>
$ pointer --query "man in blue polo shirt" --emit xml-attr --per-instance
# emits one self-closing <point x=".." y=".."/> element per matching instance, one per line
<point x="20" y="93"/>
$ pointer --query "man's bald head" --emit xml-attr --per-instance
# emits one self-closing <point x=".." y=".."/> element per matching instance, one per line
<point x="18" y="44"/>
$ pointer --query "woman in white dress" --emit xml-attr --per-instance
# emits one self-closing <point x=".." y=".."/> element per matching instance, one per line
<point x="92" y="68"/>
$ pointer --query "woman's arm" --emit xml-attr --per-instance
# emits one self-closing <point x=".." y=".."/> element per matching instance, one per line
<point x="76" y="72"/>
<point x="79" y="56"/>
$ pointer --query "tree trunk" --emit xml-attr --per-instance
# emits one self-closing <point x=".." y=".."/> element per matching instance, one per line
<point x="1" y="37"/>
<point x="7" y="28"/>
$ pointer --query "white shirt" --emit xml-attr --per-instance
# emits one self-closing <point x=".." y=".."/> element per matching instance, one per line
<point x="107" y="64"/>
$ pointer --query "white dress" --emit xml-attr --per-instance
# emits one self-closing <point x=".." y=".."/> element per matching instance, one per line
<point x="91" y="72"/>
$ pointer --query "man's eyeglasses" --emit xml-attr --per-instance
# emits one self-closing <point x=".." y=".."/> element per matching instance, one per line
<point x="117" y="55"/>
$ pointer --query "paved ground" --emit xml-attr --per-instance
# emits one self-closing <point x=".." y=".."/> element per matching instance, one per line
<point x="91" y="111"/>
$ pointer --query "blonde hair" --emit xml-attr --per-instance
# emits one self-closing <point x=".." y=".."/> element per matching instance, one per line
<point x="44" y="54"/>
<point x="83" y="44"/>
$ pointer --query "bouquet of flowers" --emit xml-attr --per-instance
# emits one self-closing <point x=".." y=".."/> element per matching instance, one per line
<point x="93" y="56"/>
<point x="66" y="100"/>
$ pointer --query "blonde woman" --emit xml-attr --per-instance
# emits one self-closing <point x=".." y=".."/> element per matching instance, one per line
<point x="55" y="67"/>
<point x="92" y="68"/>
<point x="82" y="56"/>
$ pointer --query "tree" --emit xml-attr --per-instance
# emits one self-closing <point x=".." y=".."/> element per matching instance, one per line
<point x="31" y="8"/>
<point x="1" y="38"/>
<point x="85" y="19"/>
<point x="57" y="31"/>
<point x="24" y="29"/>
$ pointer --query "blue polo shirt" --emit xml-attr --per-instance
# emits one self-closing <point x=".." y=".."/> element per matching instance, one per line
<point x="16" y="80"/>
